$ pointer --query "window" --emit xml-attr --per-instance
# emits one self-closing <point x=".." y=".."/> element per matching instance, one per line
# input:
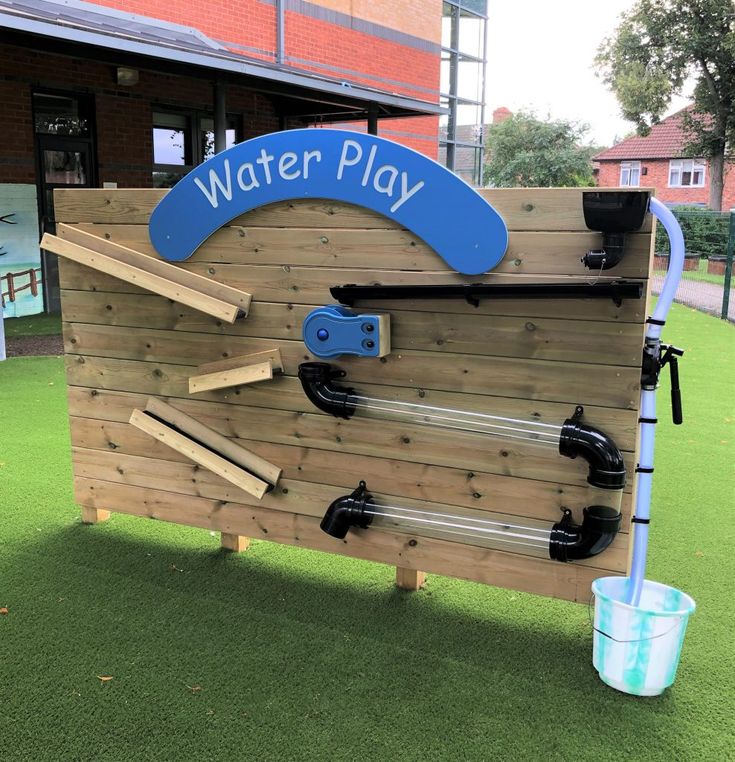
<point x="462" y="85"/>
<point x="686" y="173"/>
<point x="630" y="173"/>
<point x="181" y="140"/>
<point x="62" y="114"/>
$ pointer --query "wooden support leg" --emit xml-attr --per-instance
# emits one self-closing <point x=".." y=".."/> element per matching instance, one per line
<point x="94" y="515"/>
<point x="410" y="579"/>
<point x="235" y="542"/>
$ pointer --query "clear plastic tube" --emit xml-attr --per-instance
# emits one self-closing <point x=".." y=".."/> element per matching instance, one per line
<point x="648" y="403"/>
<point x="471" y="528"/>
<point x="464" y="420"/>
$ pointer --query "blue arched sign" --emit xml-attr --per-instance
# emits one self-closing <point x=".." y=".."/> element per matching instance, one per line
<point x="404" y="185"/>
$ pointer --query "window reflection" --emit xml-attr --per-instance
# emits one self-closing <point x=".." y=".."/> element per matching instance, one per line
<point x="464" y="25"/>
<point x="64" y="167"/>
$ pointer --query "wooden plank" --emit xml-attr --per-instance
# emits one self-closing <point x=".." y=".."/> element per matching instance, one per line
<point x="103" y="377"/>
<point x="272" y="356"/>
<point x="200" y="455"/>
<point x="152" y="264"/>
<point x="305" y="285"/>
<point x="409" y="579"/>
<point x="570" y="581"/>
<point x="214" y="440"/>
<point x="226" y="379"/>
<point x="574" y="383"/>
<point x="548" y="209"/>
<point x="545" y="338"/>
<point x="310" y="286"/>
<point x="93" y="515"/>
<point x="135" y="274"/>
<point x="234" y="542"/>
<point x="459" y="486"/>
<point x="540" y="253"/>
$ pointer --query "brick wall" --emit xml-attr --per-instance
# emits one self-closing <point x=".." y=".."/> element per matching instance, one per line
<point x="658" y="177"/>
<point x="418" y="17"/>
<point x="312" y="44"/>
<point x="123" y="114"/>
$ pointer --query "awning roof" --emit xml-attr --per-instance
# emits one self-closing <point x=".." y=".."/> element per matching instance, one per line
<point x="83" y="29"/>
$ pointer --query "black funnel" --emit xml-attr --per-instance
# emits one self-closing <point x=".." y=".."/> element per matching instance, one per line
<point x="612" y="213"/>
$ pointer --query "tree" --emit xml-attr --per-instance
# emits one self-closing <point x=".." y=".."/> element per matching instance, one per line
<point x="658" y="46"/>
<point x="524" y="151"/>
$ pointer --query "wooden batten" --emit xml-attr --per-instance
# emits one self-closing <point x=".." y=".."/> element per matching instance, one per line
<point x="225" y="379"/>
<point x="202" y="456"/>
<point x="236" y="371"/>
<point x="214" y="441"/>
<point x="158" y="277"/>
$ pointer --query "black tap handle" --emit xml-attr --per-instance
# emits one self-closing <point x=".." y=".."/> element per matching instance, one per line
<point x="676" y="412"/>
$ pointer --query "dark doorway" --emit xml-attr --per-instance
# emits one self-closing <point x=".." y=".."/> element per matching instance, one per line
<point x="64" y="127"/>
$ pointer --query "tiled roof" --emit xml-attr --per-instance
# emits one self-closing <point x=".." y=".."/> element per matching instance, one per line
<point x="666" y="140"/>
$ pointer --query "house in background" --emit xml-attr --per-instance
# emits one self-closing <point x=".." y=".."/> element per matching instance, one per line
<point x="657" y="160"/>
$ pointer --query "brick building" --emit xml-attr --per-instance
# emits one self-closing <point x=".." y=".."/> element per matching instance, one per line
<point x="659" y="160"/>
<point x="134" y="93"/>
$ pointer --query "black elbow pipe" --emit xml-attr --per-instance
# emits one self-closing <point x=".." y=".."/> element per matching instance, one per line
<point x="613" y="213"/>
<point x="347" y="511"/>
<point x="606" y="466"/>
<point x="572" y="542"/>
<point x="613" y="248"/>
<point x="317" y="379"/>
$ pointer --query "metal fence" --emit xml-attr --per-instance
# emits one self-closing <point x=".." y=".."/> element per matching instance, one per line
<point x="706" y="282"/>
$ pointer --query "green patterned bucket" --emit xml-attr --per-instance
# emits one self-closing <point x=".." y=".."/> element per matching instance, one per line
<point x="636" y="649"/>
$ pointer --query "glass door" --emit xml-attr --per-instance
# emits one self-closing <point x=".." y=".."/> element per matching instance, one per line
<point x="64" y="145"/>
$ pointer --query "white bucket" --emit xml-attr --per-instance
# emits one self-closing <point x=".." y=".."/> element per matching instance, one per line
<point x="636" y="649"/>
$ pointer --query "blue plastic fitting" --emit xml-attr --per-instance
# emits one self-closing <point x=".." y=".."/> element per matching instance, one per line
<point x="332" y="331"/>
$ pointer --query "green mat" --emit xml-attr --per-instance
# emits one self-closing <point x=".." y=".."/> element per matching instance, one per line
<point x="287" y="654"/>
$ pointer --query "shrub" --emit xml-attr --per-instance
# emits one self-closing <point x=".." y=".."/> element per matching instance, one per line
<point x="705" y="232"/>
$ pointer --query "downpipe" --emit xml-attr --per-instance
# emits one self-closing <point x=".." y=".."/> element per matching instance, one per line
<point x="653" y="360"/>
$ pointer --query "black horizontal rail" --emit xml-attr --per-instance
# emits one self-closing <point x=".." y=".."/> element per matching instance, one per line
<point x="474" y="293"/>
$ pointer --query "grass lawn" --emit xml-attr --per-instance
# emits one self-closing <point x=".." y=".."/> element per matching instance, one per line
<point x="287" y="654"/>
<point x="34" y="325"/>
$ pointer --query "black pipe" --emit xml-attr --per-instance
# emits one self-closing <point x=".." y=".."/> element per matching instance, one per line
<point x="567" y="541"/>
<point x="474" y="293"/>
<point x="607" y="469"/>
<point x="347" y="511"/>
<point x="572" y="542"/>
<point x="612" y="213"/>
<point x="317" y="379"/>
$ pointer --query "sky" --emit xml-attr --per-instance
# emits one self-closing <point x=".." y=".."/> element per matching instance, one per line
<point x="541" y="55"/>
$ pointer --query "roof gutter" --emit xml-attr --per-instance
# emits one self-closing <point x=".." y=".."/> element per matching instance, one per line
<point x="215" y="60"/>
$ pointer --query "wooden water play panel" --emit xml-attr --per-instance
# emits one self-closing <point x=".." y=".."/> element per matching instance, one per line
<point x="530" y="359"/>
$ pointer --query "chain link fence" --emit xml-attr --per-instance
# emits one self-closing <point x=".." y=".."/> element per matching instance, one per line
<point x="706" y="282"/>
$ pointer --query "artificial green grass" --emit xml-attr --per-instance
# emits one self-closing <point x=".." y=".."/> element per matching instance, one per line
<point x="34" y="325"/>
<point x="286" y="654"/>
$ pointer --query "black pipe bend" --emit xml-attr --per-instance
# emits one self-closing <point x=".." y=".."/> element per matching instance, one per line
<point x="317" y="379"/>
<point x="572" y="542"/>
<point x="607" y="469"/>
<point x="347" y="511"/>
